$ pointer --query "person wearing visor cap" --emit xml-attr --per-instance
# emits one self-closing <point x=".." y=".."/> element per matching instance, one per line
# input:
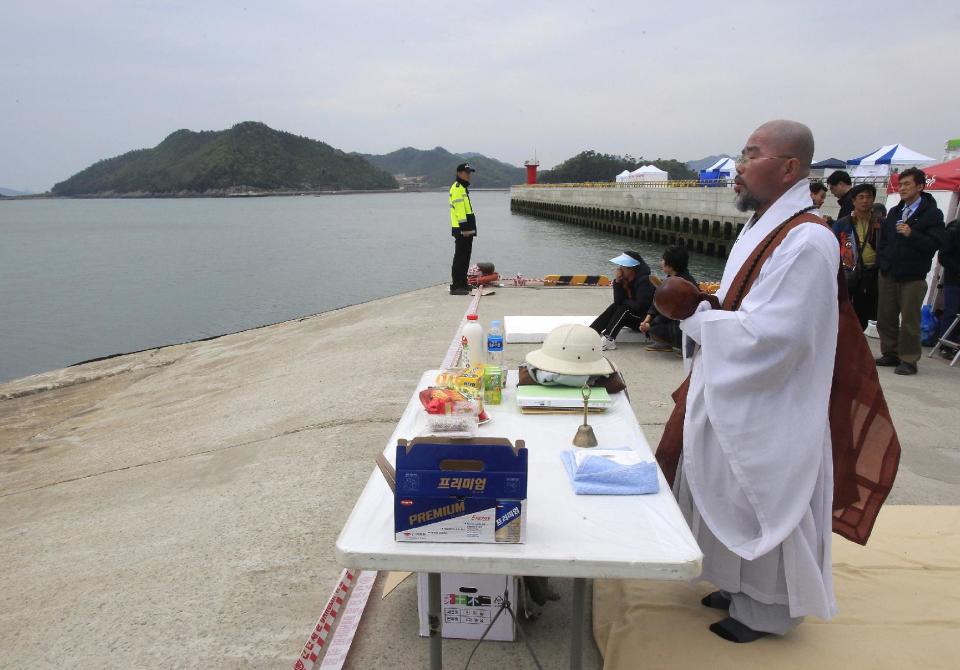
<point x="463" y="227"/>
<point x="632" y="297"/>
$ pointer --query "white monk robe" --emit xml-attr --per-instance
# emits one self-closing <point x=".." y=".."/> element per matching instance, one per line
<point x="756" y="478"/>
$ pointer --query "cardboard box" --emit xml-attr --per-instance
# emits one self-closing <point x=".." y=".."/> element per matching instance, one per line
<point x="468" y="604"/>
<point x="467" y="490"/>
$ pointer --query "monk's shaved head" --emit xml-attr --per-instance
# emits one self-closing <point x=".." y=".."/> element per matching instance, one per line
<point x="776" y="157"/>
<point x="789" y="138"/>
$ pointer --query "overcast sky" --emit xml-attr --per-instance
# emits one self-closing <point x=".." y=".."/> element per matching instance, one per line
<point x="81" y="81"/>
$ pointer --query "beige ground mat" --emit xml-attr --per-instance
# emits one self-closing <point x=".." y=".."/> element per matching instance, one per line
<point x="899" y="602"/>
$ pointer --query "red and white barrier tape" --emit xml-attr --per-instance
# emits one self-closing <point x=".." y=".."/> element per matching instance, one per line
<point x="318" y="638"/>
<point x="339" y="646"/>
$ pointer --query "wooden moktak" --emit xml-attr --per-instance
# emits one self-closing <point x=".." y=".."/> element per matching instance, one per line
<point x="677" y="299"/>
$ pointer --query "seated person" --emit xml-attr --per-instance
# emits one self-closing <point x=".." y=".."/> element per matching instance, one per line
<point x="665" y="332"/>
<point x="632" y="297"/>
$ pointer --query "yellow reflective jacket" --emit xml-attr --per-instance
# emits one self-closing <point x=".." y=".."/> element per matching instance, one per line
<point x="461" y="211"/>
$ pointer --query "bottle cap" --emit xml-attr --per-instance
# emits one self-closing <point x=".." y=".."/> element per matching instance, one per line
<point x="472" y="317"/>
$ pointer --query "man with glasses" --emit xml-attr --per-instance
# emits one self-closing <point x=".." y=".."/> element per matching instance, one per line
<point x="755" y="474"/>
<point x="909" y="237"/>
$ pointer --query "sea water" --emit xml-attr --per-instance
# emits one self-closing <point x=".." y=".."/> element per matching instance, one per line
<point x="81" y="279"/>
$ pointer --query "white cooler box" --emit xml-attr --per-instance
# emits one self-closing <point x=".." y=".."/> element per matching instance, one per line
<point x="468" y="604"/>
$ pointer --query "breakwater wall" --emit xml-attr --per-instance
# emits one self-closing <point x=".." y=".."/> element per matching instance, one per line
<point x="704" y="220"/>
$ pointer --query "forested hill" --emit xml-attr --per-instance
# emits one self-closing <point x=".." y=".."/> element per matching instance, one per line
<point x="592" y="166"/>
<point x="436" y="168"/>
<point x="249" y="157"/>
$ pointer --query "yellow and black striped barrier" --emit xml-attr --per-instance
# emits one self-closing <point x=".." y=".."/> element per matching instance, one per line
<point x="576" y="280"/>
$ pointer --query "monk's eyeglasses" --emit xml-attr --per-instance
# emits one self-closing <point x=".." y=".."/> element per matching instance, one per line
<point x="743" y="159"/>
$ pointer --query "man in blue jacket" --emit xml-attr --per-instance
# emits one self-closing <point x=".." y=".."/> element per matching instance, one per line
<point x="909" y="237"/>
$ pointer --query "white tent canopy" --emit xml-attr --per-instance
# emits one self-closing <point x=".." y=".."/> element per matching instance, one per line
<point x="623" y="176"/>
<point x="878" y="163"/>
<point x="892" y="154"/>
<point x="648" y="173"/>
<point x="869" y="170"/>
<point x="724" y="165"/>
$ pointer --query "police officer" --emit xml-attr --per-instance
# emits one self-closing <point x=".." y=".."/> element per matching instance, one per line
<point x="463" y="227"/>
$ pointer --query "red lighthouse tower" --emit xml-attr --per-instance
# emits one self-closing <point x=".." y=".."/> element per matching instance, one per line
<point x="532" y="170"/>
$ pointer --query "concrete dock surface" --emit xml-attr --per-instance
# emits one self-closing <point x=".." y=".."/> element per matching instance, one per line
<point x="178" y="507"/>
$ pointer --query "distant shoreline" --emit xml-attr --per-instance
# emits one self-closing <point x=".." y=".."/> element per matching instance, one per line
<point x="268" y="194"/>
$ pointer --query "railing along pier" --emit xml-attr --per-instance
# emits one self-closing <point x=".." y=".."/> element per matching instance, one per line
<point x="699" y="216"/>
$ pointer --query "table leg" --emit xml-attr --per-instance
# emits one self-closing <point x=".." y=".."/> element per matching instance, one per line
<point x="576" y="625"/>
<point x="435" y="621"/>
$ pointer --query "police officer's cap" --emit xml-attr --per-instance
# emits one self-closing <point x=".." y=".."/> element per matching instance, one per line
<point x="465" y="167"/>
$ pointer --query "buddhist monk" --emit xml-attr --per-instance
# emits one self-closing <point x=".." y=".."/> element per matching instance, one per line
<point x="755" y="478"/>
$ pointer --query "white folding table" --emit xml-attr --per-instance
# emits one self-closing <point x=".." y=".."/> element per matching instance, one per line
<point x="583" y="537"/>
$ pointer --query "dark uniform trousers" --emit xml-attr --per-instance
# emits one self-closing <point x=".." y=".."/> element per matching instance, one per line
<point x="462" y="248"/>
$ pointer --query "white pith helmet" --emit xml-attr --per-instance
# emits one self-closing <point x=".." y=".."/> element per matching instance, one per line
<point x="571" y="349"/>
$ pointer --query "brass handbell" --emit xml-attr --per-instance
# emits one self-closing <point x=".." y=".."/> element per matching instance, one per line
<point x="585" y="436"/>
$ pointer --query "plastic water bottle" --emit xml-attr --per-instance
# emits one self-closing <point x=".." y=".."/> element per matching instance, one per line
<point x="472" y="342"/>
<point x="494" y="374"/>
<point x="495" y="344"/>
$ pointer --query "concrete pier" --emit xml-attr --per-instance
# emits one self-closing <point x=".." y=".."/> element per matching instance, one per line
<point x="703" y="220"/>
<point x="178" y="507"/>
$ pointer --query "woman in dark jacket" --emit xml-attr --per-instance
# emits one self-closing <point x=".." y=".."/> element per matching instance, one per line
<point x="857" y="234"/>
<point x="632" y="297"/>
<point x="665" y="332"/>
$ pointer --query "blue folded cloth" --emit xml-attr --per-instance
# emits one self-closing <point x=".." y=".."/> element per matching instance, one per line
<point x="601" y="476"/>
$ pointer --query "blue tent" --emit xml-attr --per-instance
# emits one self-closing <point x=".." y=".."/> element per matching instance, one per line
<point x="829" y="164"/>
<point x="712" y="177"/>
<point x="724" y="168"/>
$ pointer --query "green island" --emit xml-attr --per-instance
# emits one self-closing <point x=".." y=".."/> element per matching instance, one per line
<point x="248" y="159"/>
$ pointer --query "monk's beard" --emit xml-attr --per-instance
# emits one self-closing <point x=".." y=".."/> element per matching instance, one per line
<point x="745" y="201"/>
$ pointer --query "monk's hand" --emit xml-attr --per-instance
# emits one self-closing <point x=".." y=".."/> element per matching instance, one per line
<point x="712" y="299"/>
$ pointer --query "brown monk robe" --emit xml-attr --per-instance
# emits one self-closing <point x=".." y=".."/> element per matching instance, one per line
<point x="866" y="450"/>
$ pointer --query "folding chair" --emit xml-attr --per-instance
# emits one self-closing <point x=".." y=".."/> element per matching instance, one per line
<point x="945" y="342"/>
